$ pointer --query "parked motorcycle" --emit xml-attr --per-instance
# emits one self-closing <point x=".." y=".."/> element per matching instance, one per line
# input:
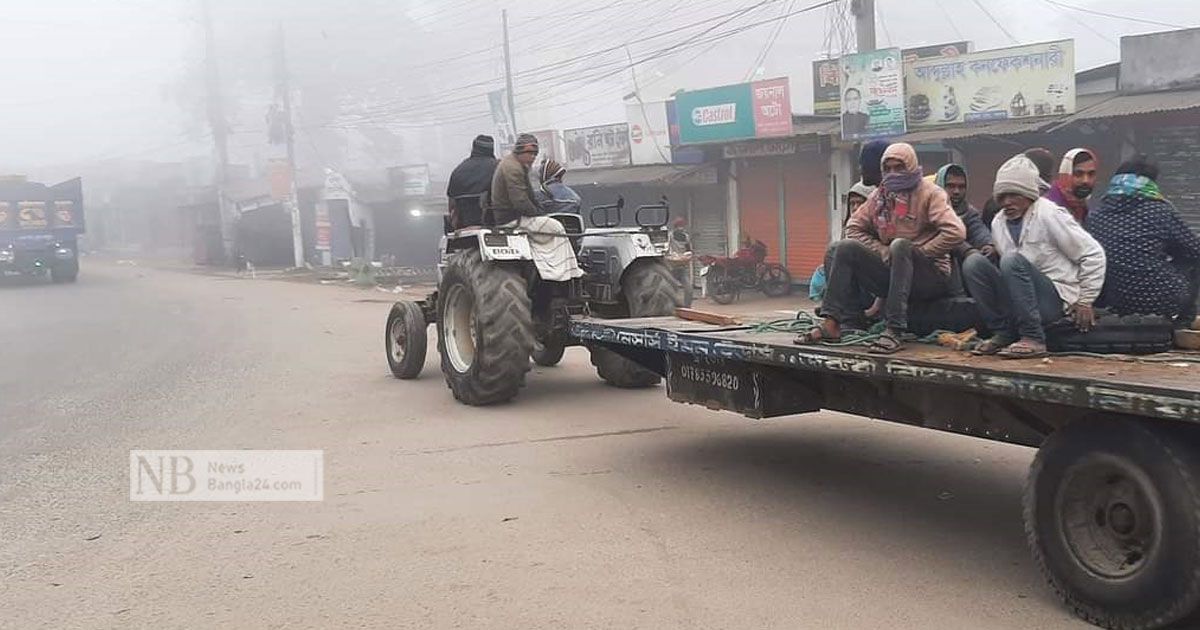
<point x="726" y="277"/>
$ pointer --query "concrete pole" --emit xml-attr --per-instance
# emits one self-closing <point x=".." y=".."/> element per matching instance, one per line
<point x="864" y="24"/>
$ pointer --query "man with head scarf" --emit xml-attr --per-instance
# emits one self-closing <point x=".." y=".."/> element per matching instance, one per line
<point x="953" y="179"/>
<point x="469" y="180"/>
<point x="1074" y="182"/>
<point x="897" y="245"/>
<point x="1153" y="257"/>
<point x="1049" y="266"/>
<point x="513" y="204"/>
<point x="550" y="191"/>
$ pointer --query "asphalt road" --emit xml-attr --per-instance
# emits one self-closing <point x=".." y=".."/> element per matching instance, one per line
<point x="578" y="506"/>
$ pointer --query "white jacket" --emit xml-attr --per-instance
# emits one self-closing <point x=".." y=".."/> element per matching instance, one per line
<point x="1059" y="247"/>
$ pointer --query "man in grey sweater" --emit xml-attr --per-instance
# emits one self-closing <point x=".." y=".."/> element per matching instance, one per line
<point x="1049" y="266"/>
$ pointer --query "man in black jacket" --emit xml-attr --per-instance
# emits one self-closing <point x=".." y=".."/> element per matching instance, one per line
<point x="469" y="181"/>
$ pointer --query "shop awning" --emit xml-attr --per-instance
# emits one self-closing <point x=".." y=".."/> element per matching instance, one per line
<point x="1134" y="104"/>
<point x="649" y="175"/>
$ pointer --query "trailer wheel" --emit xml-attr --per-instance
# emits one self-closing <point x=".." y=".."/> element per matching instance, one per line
<point x="64" y="272"/>
<point x="650" y="291"/>
<point x="485" y="329"/>
<point x="1112" y="516"/>
<point x="405" y="337"/>
<point x="548" y="353"/>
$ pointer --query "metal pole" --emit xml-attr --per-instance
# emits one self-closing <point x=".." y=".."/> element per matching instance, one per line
<point x="293" y="194"/>
<point x="508" y="78"/>
<point x="864" y="24"/>
<point x="216" y="120"/>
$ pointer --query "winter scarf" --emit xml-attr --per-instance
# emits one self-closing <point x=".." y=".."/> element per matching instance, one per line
<point x="1132" y="185"/>
<point x="940" y="180"/>
<point x="1060" y="191"/>
<point x="894" y="191"/>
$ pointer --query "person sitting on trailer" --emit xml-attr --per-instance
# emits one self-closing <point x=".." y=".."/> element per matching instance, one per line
<point x="897" y="245"/>
<point x="550" y="191"/>
<point x="953" y="179"/>
<point x="1049" y="265"/>
<point x="1153" y="256"/>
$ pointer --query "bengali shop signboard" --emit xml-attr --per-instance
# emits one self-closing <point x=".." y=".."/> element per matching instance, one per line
<point x="827" y="74"/>
<point x="597" y="147"/>
<point x="872" y="95"/>
<point x="761" y="109"/>
<point x="1006" y="83"/>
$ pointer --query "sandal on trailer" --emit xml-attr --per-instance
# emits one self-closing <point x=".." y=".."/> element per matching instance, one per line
<point x="888" y="342"/>
<point x="814" y="335"/>
<point x="1024" y="349"/>
<point x="994" y="345"/>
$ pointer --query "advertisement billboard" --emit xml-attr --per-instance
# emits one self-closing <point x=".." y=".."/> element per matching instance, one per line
<point x="827" y="74"/>
<point x="1017" y="82"/>
<point x="872" y="95"/>
<point x="761" y="109"/>
<point x="649" y="134"/>
<point x="597" y="147"/>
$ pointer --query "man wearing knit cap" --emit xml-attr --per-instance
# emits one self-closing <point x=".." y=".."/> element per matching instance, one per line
<point x="897" y="245"/>
<point x="469" y="180"/>
<point x="513" y="203"/>
<point x="1049" y="266"/>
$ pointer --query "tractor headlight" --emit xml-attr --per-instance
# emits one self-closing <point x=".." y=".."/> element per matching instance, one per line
<point x="64" y="253"/>
<point x="7" y="256"/>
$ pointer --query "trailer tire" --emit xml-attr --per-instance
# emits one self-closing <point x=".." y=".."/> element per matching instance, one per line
<point x="485" y="329"/>
<point x="548" y="353"/>
<point x="406" y="340"/>
<point x="1112" y="517"/>
<point x="650" y="290"/>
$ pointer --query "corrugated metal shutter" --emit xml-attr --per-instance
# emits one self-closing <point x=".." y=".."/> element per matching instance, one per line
<point x="807" y="191"/>
<point x="1177" y="150"/>
<point x="758" y="203"/>
<point x="707" y="221"/>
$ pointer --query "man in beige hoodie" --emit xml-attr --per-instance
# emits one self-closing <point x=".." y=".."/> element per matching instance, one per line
<point x="897" y="244"/>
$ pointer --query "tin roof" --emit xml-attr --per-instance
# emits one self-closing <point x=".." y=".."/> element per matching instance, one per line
<point x="1115" y="105"/>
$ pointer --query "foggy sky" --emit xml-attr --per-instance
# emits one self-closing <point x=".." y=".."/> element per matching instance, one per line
<point x="84" y="80"/>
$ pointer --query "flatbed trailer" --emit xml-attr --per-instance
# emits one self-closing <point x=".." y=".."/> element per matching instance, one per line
<point x="1112" y="504"/>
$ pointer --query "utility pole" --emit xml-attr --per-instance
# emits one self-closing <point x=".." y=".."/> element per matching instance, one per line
<point x="285" y="94"/>
<point x="216" y="120"/>
<point x="508" y="82"/>
<point x="864" y="24"/>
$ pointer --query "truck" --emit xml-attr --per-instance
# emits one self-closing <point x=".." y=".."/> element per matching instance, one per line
<point x="1112" y="500"/>
<point x="40" y="227"/>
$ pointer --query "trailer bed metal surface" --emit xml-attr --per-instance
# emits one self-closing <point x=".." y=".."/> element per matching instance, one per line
<point x="1165" y="386"/>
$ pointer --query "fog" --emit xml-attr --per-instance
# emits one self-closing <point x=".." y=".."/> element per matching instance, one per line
<point x="380" y="83"/>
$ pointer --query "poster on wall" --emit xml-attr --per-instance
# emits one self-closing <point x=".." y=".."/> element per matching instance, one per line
<point x="872" y="95"/>
<point x="649" y="134"/>
<point x="602" y="146"/>
<point x="1017" y="82"/>
<point x="827" y="74"/>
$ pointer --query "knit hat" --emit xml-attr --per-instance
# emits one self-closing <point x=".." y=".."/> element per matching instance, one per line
<point x="1018" y="175"/>
<point x="861" y="190"/>
<point x="526" y="142"/>
<point x="483" y="146"/>
<point x="869" y="161"/>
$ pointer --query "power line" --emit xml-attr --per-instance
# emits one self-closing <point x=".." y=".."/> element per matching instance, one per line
<point x="883" y="22"/>
<point x="946" y="14"/>
<point x="1083" y="24"/>
<point x="1113" y="15"/>
<point x="762" y="55"/>
<point x="996" y="22"/>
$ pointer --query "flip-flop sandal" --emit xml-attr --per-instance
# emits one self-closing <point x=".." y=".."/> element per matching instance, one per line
<point x="887" y="343"/>
<point x="814" y="335"/>
<point x="992" y="346"/>
<point x="1023" y="350"/>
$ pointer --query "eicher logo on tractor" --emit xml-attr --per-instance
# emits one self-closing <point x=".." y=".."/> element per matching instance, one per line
<point x="714" y="114"/>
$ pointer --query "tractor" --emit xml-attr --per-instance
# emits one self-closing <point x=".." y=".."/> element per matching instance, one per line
<point x="495" y="313"/>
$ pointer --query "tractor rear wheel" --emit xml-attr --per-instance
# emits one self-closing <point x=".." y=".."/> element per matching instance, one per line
<point x="485" y="329"/>
<point x="649" y="290"/>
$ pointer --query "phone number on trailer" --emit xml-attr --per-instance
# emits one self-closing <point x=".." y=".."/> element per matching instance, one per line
<point x="705" y="376"/>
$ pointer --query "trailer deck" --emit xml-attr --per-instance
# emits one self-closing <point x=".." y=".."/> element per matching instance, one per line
<point x="736" y="368"/>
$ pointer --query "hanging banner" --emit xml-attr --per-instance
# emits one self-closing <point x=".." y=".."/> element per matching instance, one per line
<point x="597" y="147"/>
<point x="1016" y="82"/>
<point x="649" y="133"/>
<point x="761" y="109"/>
<point x="827" y="74"/>
<point x="506" y="136"/>
<point x="872" y="95"/>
